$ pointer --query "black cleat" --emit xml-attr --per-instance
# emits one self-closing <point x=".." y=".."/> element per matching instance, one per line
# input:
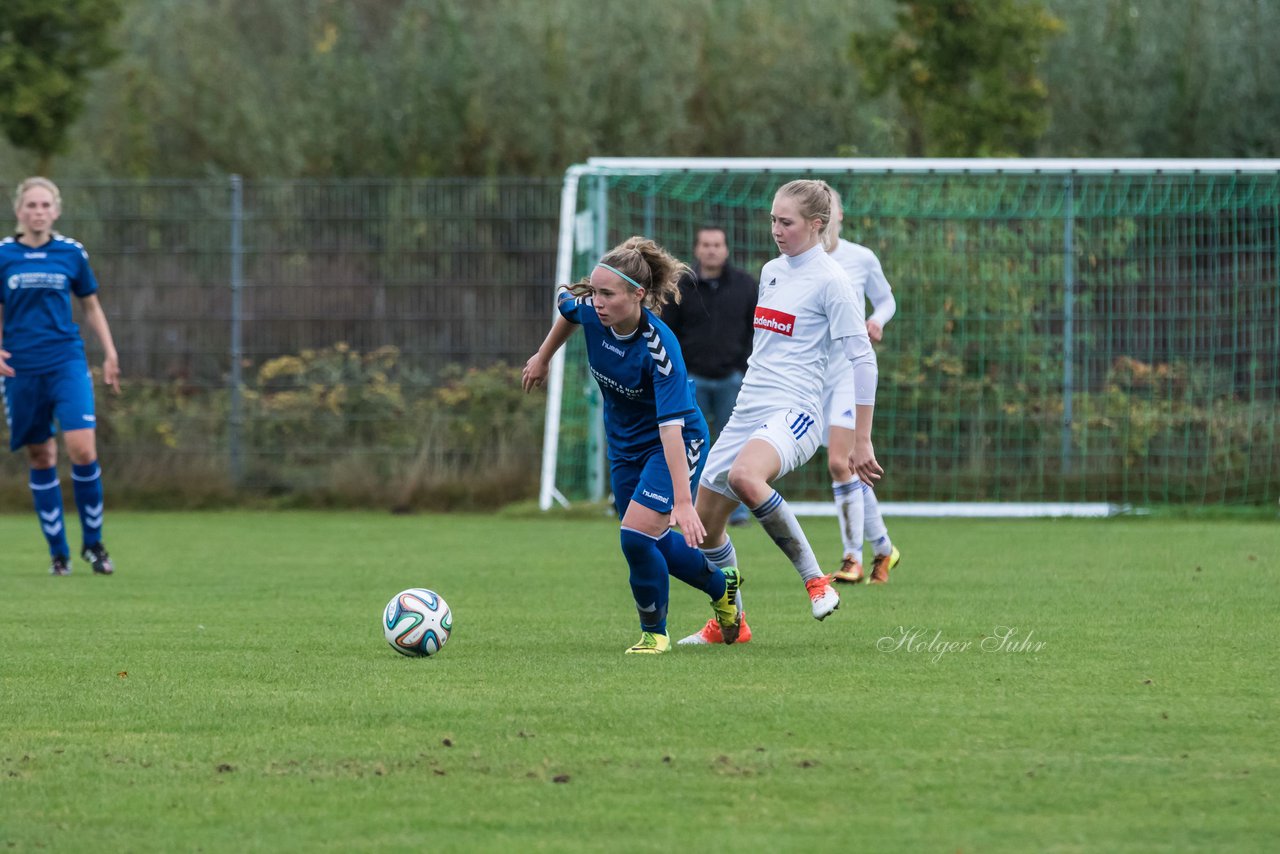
<point x="98" y="558"/>
<point x="60" y="566"/>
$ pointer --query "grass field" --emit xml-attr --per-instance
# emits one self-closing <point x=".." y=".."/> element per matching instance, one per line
<point x="229" y="690"/>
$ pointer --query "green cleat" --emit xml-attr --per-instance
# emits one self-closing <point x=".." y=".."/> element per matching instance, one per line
<point x="651" y="643"/>
<point x="726" y="611"/>
<point x="882" y="564"/>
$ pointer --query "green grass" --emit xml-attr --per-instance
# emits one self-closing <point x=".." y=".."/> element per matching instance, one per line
<point x="230" y="690"/>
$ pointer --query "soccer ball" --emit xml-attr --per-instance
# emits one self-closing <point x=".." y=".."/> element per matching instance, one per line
<point x="417" y="622"/>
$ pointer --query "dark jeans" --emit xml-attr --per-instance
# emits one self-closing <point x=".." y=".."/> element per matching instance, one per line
<point x="716" y="399"/>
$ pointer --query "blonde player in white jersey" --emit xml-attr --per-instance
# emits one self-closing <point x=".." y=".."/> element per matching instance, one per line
<point x="806" y="302"/>
<point x="856" y="505"/>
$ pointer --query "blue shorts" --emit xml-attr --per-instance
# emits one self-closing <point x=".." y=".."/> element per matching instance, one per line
<point x="647" y="480"/>
<point x="32" y="402"/>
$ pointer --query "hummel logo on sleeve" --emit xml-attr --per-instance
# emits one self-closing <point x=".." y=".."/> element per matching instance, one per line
<point x="658" y="352"/>
<point x="693" y="453"/>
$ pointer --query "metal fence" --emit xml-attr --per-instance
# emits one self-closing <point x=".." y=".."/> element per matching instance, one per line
<point x="339" y="284"/>
<point x="1067" y="331"/>
<point x="359" y="341"/>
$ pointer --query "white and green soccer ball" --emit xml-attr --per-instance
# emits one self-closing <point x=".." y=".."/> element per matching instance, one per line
<point x="417" y="622"/>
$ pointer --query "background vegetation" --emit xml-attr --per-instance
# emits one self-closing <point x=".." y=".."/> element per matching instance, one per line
<point x="425" y="88"/>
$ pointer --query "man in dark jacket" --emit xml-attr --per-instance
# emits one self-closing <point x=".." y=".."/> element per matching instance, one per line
<point x="714" y="324"/>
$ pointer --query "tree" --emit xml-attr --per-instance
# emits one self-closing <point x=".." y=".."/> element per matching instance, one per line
<point x="46" y="53"/>
<point x="424" y="88"/>
<point x="965" y="72"/>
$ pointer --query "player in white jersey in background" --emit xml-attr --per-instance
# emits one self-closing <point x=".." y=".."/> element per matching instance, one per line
<point x="806" y="301"/>
<point x="856" y="505"/>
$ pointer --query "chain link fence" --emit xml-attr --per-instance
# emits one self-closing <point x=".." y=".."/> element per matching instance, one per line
<point x="326" y="341"/>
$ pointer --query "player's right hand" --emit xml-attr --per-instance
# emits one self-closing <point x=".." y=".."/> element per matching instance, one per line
<point x="5" y="370"/>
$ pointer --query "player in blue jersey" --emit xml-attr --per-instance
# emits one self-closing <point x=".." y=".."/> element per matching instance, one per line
<point x="44" y="373"/>
<point x="656" y="435"/>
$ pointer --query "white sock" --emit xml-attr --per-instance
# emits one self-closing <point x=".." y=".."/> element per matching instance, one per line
<point x="722" y="556"/>
<point x="780" y="523"/>
<point x="848" y="497"/>
<point x="873" y="526"/>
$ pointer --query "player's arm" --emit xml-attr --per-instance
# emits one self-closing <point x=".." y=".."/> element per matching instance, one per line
<point x="683" y="516"/>
<point x="857" y="349"/>
<point x="881" y="315"/>
<point x="96" y="319"/>
<point x="882" y="302"/>
<point x="539" y="364"/>
<point x="846" y="308"/>
<point x="5" y="370"/>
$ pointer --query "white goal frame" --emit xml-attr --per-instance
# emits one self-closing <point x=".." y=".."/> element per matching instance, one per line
<point x="576" y="231"/>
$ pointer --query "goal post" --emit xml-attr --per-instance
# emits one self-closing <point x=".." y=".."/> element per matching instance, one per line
<point x="1073" y="337"/>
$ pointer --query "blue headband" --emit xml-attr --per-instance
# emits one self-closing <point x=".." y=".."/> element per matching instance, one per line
<point x="637" y="285"/>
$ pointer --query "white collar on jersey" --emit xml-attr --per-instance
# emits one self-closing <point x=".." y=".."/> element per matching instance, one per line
<point x="806" y="256"/>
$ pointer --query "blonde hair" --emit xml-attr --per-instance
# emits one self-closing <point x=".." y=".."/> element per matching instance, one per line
<point x="648" y="265"/>
<point x="831" y="234"/>
<point x="31" y="183"/>
<point x="816" y="200"/>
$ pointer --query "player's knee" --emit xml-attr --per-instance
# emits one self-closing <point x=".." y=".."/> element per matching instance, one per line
<point x="838" y="468"/>
<point x="42" y="456"/>
<point x="748" y="486"/>
<point x="636" y="546"/>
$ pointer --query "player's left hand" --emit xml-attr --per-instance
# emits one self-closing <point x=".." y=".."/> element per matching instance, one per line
<point x="863" y="462"/>
<point x="111" y="373"/>
<point x="874" y="331"/>
<point x="684" y="517"/>
<point x="534" y="373"/>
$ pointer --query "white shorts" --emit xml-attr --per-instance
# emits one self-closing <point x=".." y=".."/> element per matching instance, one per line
<point x="839" y="403"/>
<point x="793" y="433"/>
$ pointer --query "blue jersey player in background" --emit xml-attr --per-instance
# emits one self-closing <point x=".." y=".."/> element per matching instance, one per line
<point x="44" y="373"/>
<point x="657" y="437"/>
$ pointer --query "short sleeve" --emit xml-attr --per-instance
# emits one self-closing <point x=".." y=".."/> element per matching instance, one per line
<point x="571" y="307"/>
<point x="672" y="396"/>
<point x="843" y="303"/>
<point x="84" y="283"/>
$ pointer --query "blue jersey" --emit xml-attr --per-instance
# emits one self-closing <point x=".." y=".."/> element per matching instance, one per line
<point x="36" y="285"/>
<point x="642" y="378"/>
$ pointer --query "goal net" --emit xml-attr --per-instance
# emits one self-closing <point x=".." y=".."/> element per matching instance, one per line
<point x="1072" y="336"/>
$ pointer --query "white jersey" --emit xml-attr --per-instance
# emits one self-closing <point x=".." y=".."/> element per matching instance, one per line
<point x="805" y="302"/>
<point x="855" y="259"/>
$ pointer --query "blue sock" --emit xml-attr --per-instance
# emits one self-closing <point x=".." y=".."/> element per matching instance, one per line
<point x="649" y="583"/>
<point x="48" y="501"/>
<point x="691" y="566"/>
<point x="86" y="482"/>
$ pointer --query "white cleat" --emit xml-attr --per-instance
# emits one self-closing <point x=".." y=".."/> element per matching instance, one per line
<point x="823" y="596"/>
<point x="708" y="634"/>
